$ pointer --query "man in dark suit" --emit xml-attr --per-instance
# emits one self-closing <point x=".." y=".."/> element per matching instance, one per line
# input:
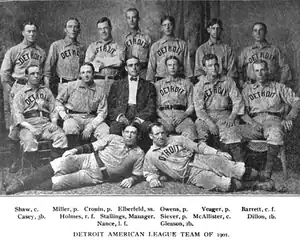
<point x="131" y="100"/>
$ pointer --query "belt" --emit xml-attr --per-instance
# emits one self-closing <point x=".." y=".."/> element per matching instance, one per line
<point x="75" y="112"/>
<point x="63" y="80"/>
<point x="36" y="113"/>
<point x="252" y="115"/>
<point x="101" y="166"/>
<point x="21" y="81"/>
<point x="176" y="107"/>
<point x="96" y="76"/>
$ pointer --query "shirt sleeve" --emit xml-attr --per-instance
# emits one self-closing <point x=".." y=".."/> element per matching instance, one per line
<point x="90" y="53"/>
<point x="284" y="68"/>
<point x="7" y="68"/>
<point x="52" y="110"/>
<point x="199" y="103"/>
<point x="198" y="63"/>
<point x="236" y="98"/>
<point x="190" y="102"/>
<point x="289" y="97"/>
<point x="63" y="97"/>
<point x="151" y="64"/>
<point x="138" y="165"/>
<point x="101" y="112"/>
<point x="51" y="60"/>
<point x="187" y="62"/>
<point x="103" y="142"/>
<point x="241" y="65"/>
<point x="231" y="68"/>
<point x="18" y="108"/>
<point x="186" y="142"/>
<point x="150" y="171"/>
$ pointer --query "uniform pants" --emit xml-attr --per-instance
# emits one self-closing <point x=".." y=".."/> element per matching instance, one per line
<point x="29" y="140"/>
<point x="186" y="128"/>
<point x="272" y="129"/>
<point x="227" y="135"/>
<point x="214" y="172"/>
<point x="77" y="123"/>
<point x="75" y="171"/>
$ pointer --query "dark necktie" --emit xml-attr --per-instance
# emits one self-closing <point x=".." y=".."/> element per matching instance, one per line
<point x="134" y="79"/>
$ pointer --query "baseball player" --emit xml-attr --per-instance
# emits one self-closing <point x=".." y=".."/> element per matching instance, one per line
<point x="199" y="164"/>
<point x="214" y="45"/>
<point x="106" y="56"/>
<point x="211" y="100"/>
<point x="166" y="46"/>
<point x="262" y="50"/>
<point x="15" y="61"/>
<point x="265" y="104"/>
<point x="136" y="42"/>
<point x="35" y="115"/>
<point x="175" y="101"/>
<point x="83" y="107"/>
<point x="64" y="58"/>
<point x="13" y="78"/>
<point x="112" y="158"/>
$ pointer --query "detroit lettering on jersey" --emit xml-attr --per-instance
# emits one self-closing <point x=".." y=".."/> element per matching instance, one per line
<point x="70" y="53"/>
<point x="168" y="151"/>
<point x="33" y="97"/>
<point x="29" y="56"/>
<point x="262" y="94"/>
<point x="169" y="48"/>
<point x="137" y="41"/>
<point x="261" y="56"/>
<point x="170" y="89"/>
<point x="216" y="90"/>
<point x="105" y="48"/>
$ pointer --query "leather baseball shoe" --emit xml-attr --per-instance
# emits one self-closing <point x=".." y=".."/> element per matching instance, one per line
<point x="14" y="186"/>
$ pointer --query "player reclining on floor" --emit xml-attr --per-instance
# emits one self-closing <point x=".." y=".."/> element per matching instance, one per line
<point x="208" y="168"/>
<point x="112" y="158"/>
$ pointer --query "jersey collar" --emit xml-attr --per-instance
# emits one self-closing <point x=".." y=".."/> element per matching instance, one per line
<point x="261" y="45"/>
<point x="210" y="43"/>
<point x="70" y="42"/>
<point x="165" y="39"/>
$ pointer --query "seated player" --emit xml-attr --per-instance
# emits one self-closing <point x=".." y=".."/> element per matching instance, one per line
<point x="265" y="102"/>
<point x="112" y="158"/>
<point x="212" y="96"/>
<point x="199" y="164"/>
<point x="83" y="107"/>
<point x="175" y="101"/>
<point x="35" y="115"/>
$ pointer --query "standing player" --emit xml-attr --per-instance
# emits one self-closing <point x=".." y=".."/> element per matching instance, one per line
<point x="15" y="61"/>
<point x="265" y="102"/>
<point x="175" y="101"/>
<point x="35" y="115"/>
<point x="83" y="107"/>
<point x="136" y="42"/>
<point x="64" y="58"/>
<point x="166" y="46"/>
<point x="198" y="164"/>
<point x="106" y="56"/>
<point x="215" y="46"/>
<point x="262" y="50"/>
<point x="211" y="100"/>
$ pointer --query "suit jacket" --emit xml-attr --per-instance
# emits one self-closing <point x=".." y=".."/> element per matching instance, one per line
<point x="118" y="100"/>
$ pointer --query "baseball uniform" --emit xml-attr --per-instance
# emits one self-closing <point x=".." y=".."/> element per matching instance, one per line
<point x="176" y="160"/>
<point x="87" y="106"/>
<point x="278" y="67"/>
<point x="37" y="107"/>
<point x="109" y="53"/>
<point x="175" y="98"/>
<point x="163" y="48"/>
<point x="15" y="61"/>
<point x="64" y="60"/>
<point x="138" y="44"/>
<point x="225" y="56"/>
<point x="211" y="101"/>
<point x="266" y="105"/>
